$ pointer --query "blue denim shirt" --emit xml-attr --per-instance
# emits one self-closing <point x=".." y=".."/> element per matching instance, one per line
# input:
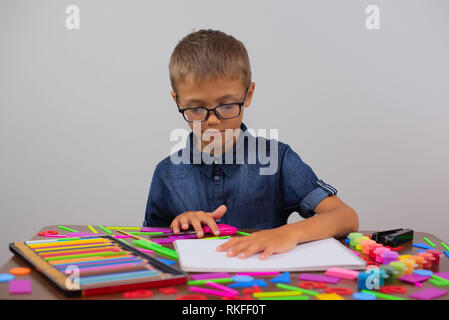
<point x="253" y="200"/>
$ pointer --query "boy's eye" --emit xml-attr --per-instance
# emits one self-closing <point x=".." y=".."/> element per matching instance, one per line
<point x="227" y="107"/>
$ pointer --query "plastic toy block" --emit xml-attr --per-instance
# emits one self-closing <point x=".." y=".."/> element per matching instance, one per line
<point x="342" y="273"/>
<point x="242" y="278"/>
<point x="364" y="296"/>
<point x="318" y="278"/>
<point x="429" y="294"/>
<point x="329" y="296"/>
<point x="412" y="278"/>
<point x="20" y="286"/>
<point x="249" y="284"/>
<point x="339" y="290"/>
<point x="421" y="245"/>
<point x="282" y="278"/>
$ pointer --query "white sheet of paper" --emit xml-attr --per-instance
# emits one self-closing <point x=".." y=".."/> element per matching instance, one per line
<point x="201" y="256"/>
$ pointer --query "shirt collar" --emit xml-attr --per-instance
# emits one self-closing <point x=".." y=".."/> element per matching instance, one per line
<point x="210" y="169"/>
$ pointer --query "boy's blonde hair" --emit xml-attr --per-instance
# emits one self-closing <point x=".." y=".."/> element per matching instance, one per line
<point x="209" y="54"/>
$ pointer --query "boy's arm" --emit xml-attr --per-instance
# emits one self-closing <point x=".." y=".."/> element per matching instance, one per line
<point x="333" y="219"/>
<point x="157" y="210"/>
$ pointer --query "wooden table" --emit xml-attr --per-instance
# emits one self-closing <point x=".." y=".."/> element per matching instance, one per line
<point x="44" y="290"/>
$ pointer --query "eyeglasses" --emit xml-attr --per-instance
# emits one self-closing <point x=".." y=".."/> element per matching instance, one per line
<point x="223" y="111"/>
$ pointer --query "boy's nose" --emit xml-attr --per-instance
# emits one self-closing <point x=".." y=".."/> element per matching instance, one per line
<point x="212" y="119"/>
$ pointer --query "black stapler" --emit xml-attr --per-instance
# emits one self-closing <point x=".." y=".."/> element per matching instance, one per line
<point x="394" y="237"/>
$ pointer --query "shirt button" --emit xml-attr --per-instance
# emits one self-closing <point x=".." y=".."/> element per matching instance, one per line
<point x="217" y="178"/>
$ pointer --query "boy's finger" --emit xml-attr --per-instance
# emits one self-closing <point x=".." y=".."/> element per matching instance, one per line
<point x="212" y="224"/>
<point x="175" y="226"/>
<point x="184" y="223"/>
<point x="267" y="252"/>
<point x="238" y="248"/>
<point x="228" y="244"/>
<point x="249" y="251"/>
<point x="219" y="212"/>
<point x="196" y="223"/>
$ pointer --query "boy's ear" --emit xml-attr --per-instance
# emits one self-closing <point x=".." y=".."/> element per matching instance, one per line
<point x="252" y="86"/>
<point x="173" y="94"/>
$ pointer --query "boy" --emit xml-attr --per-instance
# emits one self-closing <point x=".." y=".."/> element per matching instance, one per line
<point x="211" y="79"/>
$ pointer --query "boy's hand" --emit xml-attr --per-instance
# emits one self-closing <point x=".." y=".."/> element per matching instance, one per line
<point x="267" y="241"/>
<point x="196" y="219"/>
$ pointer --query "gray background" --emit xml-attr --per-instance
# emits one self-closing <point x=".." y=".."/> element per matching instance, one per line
<point x="86" y="115"/>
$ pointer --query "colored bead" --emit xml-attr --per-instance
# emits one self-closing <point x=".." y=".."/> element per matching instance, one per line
<point x="389" y="256"/>
<point x="365" y="245"/>
<point x="399" y="266"/>
<point x="378" y="252"/>
<point x="352" y="237"/>
<point x="358" y="242"/>
<point x="436" y="254"/>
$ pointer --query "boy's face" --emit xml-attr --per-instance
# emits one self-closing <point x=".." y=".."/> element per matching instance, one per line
<point x="209" y="95"/>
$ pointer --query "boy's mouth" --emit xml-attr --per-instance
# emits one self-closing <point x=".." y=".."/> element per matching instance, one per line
<point x="212" y="133"/>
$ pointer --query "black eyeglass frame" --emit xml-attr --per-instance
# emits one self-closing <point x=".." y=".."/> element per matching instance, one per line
<point x="240" y="104"/>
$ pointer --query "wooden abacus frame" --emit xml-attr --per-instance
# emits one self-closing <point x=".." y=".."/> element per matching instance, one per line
<point x="176" y="276"/>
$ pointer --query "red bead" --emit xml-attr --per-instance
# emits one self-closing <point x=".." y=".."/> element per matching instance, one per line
<point x="339" y="290"/>
<point x="312" y="285"/>
<point x="251" y="290"/>
<point x="393" y="289"/>
<point x="143" y="293"/>
<point x="167" y="291"/>
<point x="48" y="232"/>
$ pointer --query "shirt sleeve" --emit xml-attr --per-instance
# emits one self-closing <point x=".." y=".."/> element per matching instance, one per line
<point x="156" y="211"/>
<point x="301" y="190"/>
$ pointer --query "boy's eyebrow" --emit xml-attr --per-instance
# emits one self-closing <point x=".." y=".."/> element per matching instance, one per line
<point x="227" y="96"/>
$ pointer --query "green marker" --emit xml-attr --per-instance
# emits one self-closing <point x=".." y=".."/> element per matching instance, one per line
<point x="157" y="248"/>
<point x="145" y="233"/>
<point x="305" y="291"/>
<point x="243" y="233"/>
<point x="67" y="229"/>
<point x="429" y="242"/>
<point x="200" y="282"/>
<point x="438" y="281"/>
<point x="105" y="230"/>
<point x="383" y="296"/>
<point x="271" y="294"/>
<point x="444" y="246"/>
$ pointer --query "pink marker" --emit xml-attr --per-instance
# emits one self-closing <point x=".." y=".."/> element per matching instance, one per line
<point x="269" y="273"/>
<point x="118" y="236"/>
<point x="220" y="287"/>
<point x="212" y="292"/>
<point x="146" y="251"/>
